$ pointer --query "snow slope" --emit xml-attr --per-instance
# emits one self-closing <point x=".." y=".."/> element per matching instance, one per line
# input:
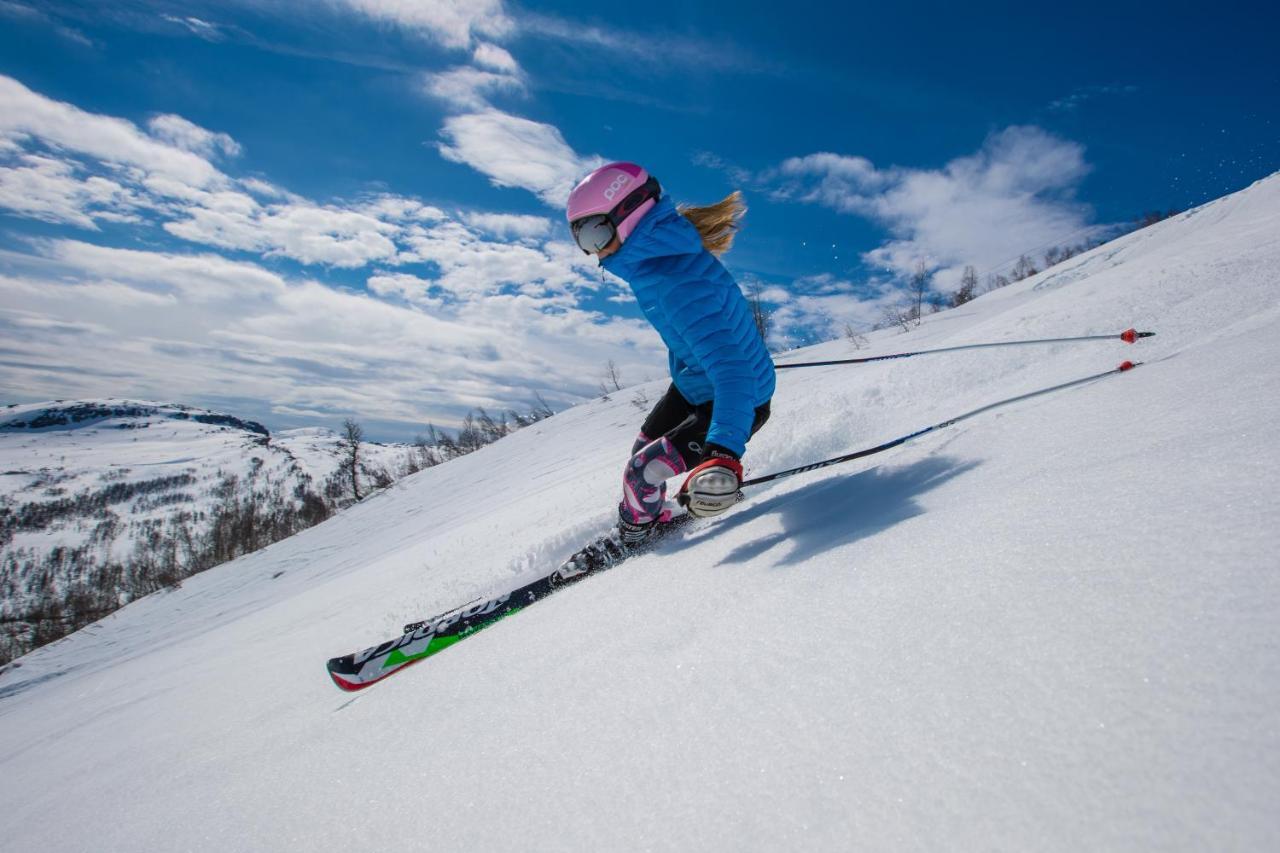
<point x="1052" y="627"/>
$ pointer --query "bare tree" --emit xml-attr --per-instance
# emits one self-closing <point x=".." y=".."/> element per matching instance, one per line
<point x="540" y="411"/>
<point x="851" y="335"/>
<point x="352" y="436"/>
<point x="424" y="448"/>
<point x="918" y="289"/>
<point x="491" y="429"/>
<point x="900" y="317"/>
<point x="470" y="437"/>
<point x="759" y="314"/>
<point x="968" y="287"/>
<point x="448" y="447"/>
<point x="412" y="463"/>
<point x="382" y="478"/>
<point x="1024" y="268"/>
<point x="612" y="381"/>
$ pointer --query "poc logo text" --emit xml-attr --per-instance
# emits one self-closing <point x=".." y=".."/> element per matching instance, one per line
<point x="618" y="183"/>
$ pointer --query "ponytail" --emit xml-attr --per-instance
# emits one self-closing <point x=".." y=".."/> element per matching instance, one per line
<point x="717" y="223"/>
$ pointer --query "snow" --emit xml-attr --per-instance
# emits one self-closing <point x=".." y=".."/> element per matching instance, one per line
<point x="1053" y="626"/>
<point x="174" y="455"/>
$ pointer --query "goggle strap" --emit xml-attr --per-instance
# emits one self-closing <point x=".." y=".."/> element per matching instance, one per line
<point x="651" y="189"/>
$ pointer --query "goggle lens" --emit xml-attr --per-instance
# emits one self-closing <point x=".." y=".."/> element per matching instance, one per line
<point x="594" y="232"/>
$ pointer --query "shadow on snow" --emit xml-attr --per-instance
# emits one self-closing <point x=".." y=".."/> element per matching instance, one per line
<point x="842" y="509"/>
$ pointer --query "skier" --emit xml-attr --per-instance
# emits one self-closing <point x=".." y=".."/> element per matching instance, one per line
<point x="722" y="374"/>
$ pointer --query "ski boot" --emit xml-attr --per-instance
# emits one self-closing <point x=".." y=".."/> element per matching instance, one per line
<point x="625" y="540"/>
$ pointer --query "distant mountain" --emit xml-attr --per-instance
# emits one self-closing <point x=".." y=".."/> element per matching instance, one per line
<point x="125" y="414"/>
<point x="102" y="501"/>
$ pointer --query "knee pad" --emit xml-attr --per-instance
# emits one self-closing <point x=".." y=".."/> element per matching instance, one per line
<point x="644" y="481"/>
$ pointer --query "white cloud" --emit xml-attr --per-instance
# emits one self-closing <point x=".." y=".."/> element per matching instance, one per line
<point x="197" y="27"/>
<point x="470" y="267"/>
<point x="494" y="58"/>
<point x="451" y="23"/>
<point x="303" y="231"/>
<point x="652" y="51"/>
<point x="411" y="288"/>
<point x="202" y="327"/>
<point x="252" y="214"/>
<point x="180" y="133"/>
<point x="776" y="295"/>
<point x="199" y="278"/>
<point x="112" y="140"/>
<point x="57" y="191"/>
<point x="736" y="174"/>
<point x="464" y="308"/>
<point x="262" y="188"/>
<point x="1016" y="194"/>
<point x="396" y="208"/>
<point x="469" y="88"/>
<point x="844" y="183"/>
<point x="19" y="10"/>
<point x="509" y="224"/>
<point x="818" y="307"/>
<point x="516" y="152"/>
<point x="512" y="151"/>
<point x="23" y="12"/>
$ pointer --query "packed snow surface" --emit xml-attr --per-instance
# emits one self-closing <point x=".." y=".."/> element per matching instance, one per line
<point x="1053" y="626"/>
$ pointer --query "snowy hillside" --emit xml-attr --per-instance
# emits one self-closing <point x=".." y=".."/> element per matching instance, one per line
<point x="92" y="491"/>
<point x="1052" y="627"/>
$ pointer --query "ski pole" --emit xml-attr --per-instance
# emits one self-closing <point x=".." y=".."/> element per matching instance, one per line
<point x="888" y="445"/>
<point x="1128" y="336"/>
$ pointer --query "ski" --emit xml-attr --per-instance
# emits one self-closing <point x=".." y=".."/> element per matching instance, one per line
<point x="421" y="640"/>
<point x="413" y="626"/>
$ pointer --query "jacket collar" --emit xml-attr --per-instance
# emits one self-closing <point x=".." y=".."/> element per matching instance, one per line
<point x="663" y="232"/>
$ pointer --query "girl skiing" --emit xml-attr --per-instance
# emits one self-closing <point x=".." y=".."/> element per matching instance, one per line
<point x="721" y="372"/>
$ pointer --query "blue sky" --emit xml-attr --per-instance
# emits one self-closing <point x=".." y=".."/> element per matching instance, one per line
<point x="303" y="211"/>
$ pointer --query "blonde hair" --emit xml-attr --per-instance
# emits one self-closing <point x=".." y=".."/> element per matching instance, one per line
<point x="717" y="223"/>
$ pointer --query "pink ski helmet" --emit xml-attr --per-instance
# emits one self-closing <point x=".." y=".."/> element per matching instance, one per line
<point x="610" y="202"/>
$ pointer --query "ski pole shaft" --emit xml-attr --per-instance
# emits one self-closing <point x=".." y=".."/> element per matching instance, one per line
<point x="889" y="445"/>
<point x="1128" y="336"/>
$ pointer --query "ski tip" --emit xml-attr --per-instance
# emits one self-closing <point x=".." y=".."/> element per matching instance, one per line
<point x="338" y="667"/>
<point x="344" y="685"/>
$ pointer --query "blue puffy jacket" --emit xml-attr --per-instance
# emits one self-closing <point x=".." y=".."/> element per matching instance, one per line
<point x="716" y="353"/>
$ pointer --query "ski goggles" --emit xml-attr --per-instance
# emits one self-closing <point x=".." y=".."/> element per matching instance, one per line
<point x="592" y="233"/>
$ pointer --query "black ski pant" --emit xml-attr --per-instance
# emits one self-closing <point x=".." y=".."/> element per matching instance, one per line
<point x="686" y="425"/>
